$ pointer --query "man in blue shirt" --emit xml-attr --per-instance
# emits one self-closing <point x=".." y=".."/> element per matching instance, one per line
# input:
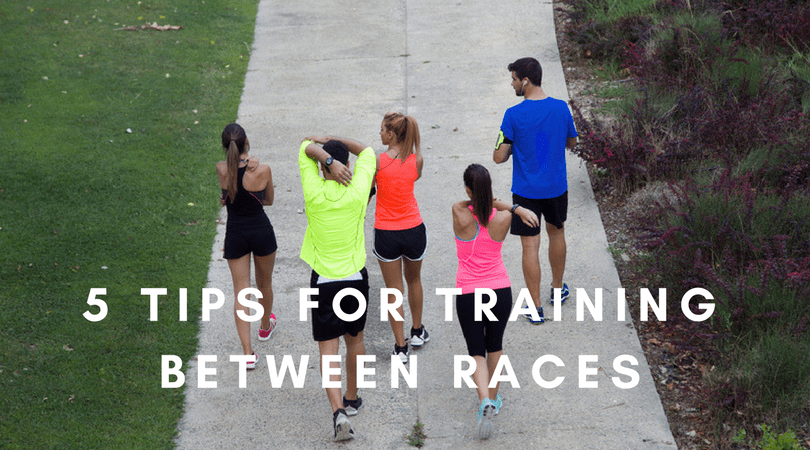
<point x="536" y="133"/>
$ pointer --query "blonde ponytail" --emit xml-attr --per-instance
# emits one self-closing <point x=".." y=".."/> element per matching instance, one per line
<point x="406" y="132"/>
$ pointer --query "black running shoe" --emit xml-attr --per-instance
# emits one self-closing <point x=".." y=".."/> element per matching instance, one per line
<point x="352" y="406"/>
<point x="343" y="428"/>
<point x="419" y="336"/>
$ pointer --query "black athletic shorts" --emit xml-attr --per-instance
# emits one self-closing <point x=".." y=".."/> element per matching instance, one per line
<point x="259" y="240"/>
<point x="554" y="210"/>
<point x="484" y="336"/>
<point x="390" y="245"/>
<point x="326" y="325"/>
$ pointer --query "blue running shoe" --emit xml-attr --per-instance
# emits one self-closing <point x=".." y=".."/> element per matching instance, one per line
<point x="531" y="320"/>
<point x="564" y="294"/>
<point x="485" y="413"/>
<point x="497" y="404"/>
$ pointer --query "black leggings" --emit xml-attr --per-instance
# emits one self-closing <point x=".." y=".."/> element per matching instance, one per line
<point x="484" y="336"/>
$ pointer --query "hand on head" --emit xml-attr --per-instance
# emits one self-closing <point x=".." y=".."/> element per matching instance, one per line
<point x="340" y="173"/>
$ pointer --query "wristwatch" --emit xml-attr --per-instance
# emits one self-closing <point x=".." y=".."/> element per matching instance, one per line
<point x="514" y="207"/>
<point x="328" y="161"/>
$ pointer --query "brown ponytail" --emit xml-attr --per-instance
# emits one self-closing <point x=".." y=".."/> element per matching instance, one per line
<point x="234" y="142"/>
<point x="477" y="178"/>
<point x="406" y="132"/>
<point x="233" y="168"/>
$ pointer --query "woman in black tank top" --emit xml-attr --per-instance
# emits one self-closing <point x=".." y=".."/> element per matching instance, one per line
<point x="247" y="187"/>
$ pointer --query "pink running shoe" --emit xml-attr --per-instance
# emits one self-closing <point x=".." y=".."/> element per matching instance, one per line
<point x="265" y="334"/>
<point x="252" y="364"/>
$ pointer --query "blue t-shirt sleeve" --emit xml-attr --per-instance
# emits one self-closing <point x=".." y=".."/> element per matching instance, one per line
<point x="507" y="126"/>
<point x="572" y="129"/>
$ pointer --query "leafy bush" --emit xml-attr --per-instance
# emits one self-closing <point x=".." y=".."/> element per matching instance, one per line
<point x="719" y="112"/>
<point x="770" y="441"/>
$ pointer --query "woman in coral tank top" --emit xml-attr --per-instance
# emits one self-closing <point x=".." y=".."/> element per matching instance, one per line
<point x="400" y="237"/>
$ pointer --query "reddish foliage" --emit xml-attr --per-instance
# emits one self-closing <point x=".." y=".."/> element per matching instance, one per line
<point x="772" y="24"/>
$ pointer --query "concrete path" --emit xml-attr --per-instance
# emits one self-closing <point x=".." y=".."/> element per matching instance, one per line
<point x="335" y="67"/>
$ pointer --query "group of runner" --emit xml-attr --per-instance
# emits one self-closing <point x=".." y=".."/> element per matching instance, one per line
<point x="535" y="133"/>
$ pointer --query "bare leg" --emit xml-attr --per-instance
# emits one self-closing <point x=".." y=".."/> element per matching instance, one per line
<point x="481" y="377"/>
<point x="264" y="282"/>
<point x="531" y="266"/>
<point x="556" y="254"/>
<point x="354" y="347"/>
<point x="392" y="276"/>
<point x="413" y="276"/>
<point x="240" y="272"/>
<point x="330" y="347"/>
<point x="492" y="363"/>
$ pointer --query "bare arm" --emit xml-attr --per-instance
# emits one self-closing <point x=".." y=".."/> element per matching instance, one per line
<point x="526" y="215"/>
<point x="354" y="147"/>
<point x="571" y="142"/>
<point x="419" y="162"/>
<point x="269" y="192"/>
<point x="222" y="175"/>
<point x="502" y="153"/>
<point x="341" y="173"/>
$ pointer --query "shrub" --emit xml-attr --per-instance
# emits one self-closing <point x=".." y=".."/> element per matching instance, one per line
<point x="720" y="114"/>
<point x="775" y="25"/>
<point x="605" y="41"/>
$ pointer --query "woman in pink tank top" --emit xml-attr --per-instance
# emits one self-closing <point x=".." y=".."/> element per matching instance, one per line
<point x="481" y="225"/>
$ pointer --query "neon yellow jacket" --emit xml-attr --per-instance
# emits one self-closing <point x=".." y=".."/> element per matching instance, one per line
<point x="334" y="242"/>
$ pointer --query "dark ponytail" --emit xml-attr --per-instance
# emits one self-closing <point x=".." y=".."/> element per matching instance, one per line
<point x="477" y="178"/>
<point x="234" y="142"/>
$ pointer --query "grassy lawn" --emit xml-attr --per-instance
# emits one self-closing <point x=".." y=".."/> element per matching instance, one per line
<point x="107" y="181"/>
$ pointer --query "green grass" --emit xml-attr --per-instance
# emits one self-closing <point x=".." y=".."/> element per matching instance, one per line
<point x="85" y="203"/>
<point x="612" y="10"/>
<point x="417" y="436"/>
<point x="613" y="89"/>
<point x="798" y="66"/>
